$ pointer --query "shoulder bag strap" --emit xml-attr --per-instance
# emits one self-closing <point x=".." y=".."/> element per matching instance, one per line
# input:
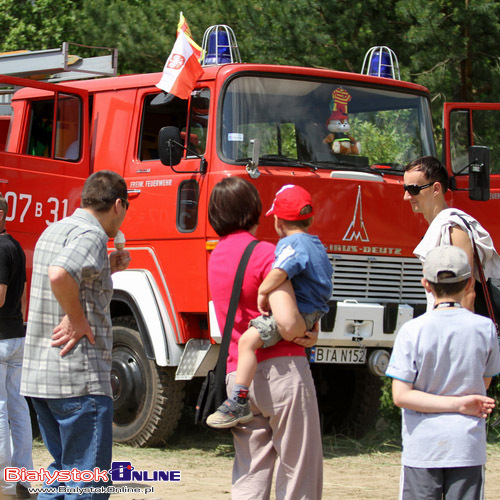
<point x="220" y="370"/>
<point x="480" y="270"/>
<point x="489" y="306"/>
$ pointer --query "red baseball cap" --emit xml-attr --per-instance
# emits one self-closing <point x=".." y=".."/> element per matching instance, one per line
<point x="289" y="201"/>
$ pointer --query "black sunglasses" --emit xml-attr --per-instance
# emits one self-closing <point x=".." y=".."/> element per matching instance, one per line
<point x="126" y="203"/>
<point x="415" y="189"/>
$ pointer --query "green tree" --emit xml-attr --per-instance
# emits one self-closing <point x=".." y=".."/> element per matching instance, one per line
<point x="35" y="25"/>
<point x="143" y="31"/>
<point x="322" y="33"/>
<point x="452" y="48"/>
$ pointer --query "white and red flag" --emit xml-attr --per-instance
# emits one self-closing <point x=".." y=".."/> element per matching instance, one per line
<point x="182" y="69"/>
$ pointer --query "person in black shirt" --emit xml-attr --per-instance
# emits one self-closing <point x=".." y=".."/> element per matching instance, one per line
<point x="15" y="424"/>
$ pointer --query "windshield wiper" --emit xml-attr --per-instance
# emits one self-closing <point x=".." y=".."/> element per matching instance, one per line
<point x="393" y="168"/>
<point x="280" y="160"/>
<point x="347" y="166"/>
<point x="285" y="160"/>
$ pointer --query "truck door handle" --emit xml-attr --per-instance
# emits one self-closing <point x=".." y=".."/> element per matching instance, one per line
<point x="133" y="193"/>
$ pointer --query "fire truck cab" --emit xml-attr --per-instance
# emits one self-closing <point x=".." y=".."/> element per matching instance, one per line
<point x="268" y="124"/>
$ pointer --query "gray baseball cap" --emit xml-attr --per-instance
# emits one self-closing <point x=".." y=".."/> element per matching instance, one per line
<point x="446" y="258"/>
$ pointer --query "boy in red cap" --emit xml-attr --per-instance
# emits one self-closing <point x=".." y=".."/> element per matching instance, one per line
<point x="300" y="257"/>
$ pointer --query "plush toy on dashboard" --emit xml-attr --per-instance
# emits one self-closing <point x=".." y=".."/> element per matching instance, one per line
<point x="338" y="124"/>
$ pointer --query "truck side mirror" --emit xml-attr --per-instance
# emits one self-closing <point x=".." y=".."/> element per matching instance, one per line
<point x="170" y="146"/>
<point x="479" y="173"/>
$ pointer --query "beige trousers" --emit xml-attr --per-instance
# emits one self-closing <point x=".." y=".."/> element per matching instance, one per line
<point x="285" y="434"/>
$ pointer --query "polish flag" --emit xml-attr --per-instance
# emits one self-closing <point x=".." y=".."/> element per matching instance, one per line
<point x="181" y="70"/>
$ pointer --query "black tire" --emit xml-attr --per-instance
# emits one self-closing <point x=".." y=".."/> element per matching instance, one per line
<point x="348" y="398"/>
<point x="147" y="400"/>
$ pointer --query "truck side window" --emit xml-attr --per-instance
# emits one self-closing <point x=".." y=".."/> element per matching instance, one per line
<point x="160" y="110"/>
<point x="478" y="127"/>
<point x="42" y="121"/>
<point x="198" y="121"/>
<point x="187" y="206"/>
<point x="68" y="128"/>
<point x="4" y="131"/>
<point x="459" y="139"/>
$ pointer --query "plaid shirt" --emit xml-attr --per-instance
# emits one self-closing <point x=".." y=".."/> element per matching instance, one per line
<point x="77" y="244"/>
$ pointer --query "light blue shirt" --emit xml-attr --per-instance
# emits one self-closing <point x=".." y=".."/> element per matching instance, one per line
<point x="446" y="352"/>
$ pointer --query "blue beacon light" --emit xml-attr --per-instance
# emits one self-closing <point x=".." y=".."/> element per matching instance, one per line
<point x="220" y="46"/>
<point x="381" y="61"/>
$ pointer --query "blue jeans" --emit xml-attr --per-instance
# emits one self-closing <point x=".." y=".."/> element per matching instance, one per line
<point x="78" y="434"/>
<point x="15" y="423"/>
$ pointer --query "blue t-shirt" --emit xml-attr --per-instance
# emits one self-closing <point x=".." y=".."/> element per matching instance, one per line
<point x="303" y="257"/>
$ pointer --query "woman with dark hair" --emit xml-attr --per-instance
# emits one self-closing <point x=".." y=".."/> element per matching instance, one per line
<point x="285" y="427"/>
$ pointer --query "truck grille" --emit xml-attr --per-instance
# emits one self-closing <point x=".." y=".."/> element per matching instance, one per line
<point x="377" y="279"/>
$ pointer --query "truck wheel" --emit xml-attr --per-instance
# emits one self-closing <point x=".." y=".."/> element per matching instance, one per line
<point x="147" y="400"/>
<point x="348" y="398"/>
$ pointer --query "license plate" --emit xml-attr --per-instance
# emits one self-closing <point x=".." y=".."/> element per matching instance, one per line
<point x="339" y="355"/>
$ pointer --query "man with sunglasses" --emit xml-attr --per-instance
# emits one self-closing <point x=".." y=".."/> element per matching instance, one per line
<point x="67" y="357"/>
<point x="425" y="185"/>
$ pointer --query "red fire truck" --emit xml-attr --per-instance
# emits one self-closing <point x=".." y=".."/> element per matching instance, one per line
<point x="267" y="124"/>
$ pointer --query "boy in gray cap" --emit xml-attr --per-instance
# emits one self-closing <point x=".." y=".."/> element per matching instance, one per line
<point x="441" y="366"/>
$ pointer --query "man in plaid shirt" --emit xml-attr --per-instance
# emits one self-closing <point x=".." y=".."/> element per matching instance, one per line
<point x="67" y="357"/>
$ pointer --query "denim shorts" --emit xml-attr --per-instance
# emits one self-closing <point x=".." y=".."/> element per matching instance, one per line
<point x="268" y="328"/>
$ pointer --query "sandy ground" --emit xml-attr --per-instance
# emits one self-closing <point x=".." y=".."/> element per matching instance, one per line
<point x="350" y="471"/>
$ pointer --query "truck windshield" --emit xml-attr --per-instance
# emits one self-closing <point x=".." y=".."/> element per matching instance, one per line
<point x="304" y="122"/>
